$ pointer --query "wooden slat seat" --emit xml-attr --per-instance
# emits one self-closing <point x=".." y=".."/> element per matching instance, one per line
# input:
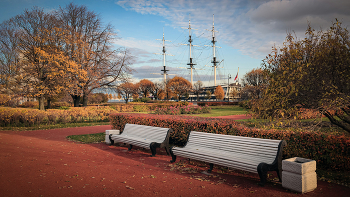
<point x="244" y="153"/>
<point x="143" y="136"/>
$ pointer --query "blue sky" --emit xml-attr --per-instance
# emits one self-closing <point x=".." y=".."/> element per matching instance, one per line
<point x="247" y="29"/>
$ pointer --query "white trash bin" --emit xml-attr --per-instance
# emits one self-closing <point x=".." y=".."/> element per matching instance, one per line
<point x="299" y="174"/>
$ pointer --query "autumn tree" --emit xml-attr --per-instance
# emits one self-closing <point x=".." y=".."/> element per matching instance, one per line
<point x="311" y="73"/>
<point x="155" y="91"/>
<point x="254" y="83"/>
<point x="98" y="98"/>
<point x="219" y="93"/>
<point x="9" y="58"/>
<point x="161" y="94"/>
<point x="146" y="87"/>
<point x="127" y="89"/>
<point x="207" y="94"/>
<point x="90" y="45"/>
<point x="45" y="69"/>
<point x="179" y="86"/>
<point x="135" y="96"/>
<point x="197" y="88"/>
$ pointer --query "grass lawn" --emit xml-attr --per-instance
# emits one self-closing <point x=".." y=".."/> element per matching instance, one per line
<point x="225" y="110"/>
<point x="88" y="138"/>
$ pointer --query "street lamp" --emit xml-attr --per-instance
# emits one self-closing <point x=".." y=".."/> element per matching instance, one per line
<point x="228" y="87"/>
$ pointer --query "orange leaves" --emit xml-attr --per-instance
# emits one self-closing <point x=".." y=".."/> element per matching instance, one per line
<point x="146" y="86"/>
<point x="178" y="86"/>
<point x="219" y="93"/>
<point x="31" y="117"/>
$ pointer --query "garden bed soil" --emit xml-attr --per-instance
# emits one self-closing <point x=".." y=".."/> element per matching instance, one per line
<point x="45" y="163"/>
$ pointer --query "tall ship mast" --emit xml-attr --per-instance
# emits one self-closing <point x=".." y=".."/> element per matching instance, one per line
<point x="164" y="71"/>
<point x="191" y="64"/>
<point x="213" y="41"/>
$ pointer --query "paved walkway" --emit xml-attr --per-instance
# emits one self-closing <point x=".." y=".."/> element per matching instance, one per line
<point x="45" y="163"/>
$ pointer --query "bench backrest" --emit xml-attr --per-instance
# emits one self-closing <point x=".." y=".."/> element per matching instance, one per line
<point x="148" y="132"/>
<point x="256" y="147"/>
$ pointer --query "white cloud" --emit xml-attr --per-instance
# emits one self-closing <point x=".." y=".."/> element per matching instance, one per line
<point x="142" y="45"/>
<point x="249" y="26"/>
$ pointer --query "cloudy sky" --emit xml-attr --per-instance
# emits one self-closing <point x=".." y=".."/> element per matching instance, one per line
<point x="247" y="29"/>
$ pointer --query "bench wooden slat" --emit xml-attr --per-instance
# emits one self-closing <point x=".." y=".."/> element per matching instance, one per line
<point x="228" y="163"/>
<point x="144" y="136"/>
<point x="244" y="153"/>
<point x="268" y="157"/>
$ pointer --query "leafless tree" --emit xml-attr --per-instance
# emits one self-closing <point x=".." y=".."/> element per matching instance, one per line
<point x="90" y="45"/>
<point x="197" y="88"/>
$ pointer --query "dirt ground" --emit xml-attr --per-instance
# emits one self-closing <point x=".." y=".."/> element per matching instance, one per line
<point x="45" y="163"/>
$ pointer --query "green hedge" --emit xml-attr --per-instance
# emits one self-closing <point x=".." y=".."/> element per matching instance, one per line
<point x="24" y="117"/>
<point x="330" y="151"/>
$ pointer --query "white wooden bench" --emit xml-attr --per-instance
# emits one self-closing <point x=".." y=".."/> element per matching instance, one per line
<point x="244" y="153"/>
<point x="143" y="136"/>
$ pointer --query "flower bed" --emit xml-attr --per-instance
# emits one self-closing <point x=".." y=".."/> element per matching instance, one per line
<point x="329" y="151"/>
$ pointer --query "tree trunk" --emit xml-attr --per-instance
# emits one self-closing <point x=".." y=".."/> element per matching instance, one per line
<point x="48" y="103"/>
<point x="76" y="100"/>
<point x="41" y="103"/>
<point x="340" y="123"/>
<point x="85" y="100"/>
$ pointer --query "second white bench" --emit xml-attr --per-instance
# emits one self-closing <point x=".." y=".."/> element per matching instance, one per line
<point x="255" y="155"/>
<point x="143" y="136"/>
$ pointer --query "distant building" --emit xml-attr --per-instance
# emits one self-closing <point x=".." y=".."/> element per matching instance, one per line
<point x="233" y="87"/>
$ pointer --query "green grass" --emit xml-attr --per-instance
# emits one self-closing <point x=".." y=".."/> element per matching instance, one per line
<point x="320" y="125"/>
<point x="88" y="138"/>
<point x="225" y="110"/>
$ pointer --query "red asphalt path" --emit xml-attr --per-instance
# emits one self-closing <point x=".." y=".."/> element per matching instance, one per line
<point x="45" y="163"/>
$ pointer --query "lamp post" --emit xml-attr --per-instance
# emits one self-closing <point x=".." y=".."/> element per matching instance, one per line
<point x="228" y="87"/>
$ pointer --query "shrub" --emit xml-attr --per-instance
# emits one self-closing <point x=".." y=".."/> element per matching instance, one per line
<point x="184" y="103"/>
<point x="30" y="104"/>
<point x="182" y="110"/>
<point x="122" y="107"/>
<point x="60" y="105"/>
<point x="31" y="117"/>
<point x="245" y="104"/>
<point x="4" y="99"/>
<point x="140" y="108"/>
<point x="329" y="151"/>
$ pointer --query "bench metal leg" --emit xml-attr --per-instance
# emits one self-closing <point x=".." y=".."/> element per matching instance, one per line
<point x="172" y="155"/>
<point x="130" y="147"/>
<point x="263" y="168"/>
<point x="210" y="168"/>
<point x="112" y="141"/>
<point x="262" y="171"/>
<point x="153" y="147"/>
